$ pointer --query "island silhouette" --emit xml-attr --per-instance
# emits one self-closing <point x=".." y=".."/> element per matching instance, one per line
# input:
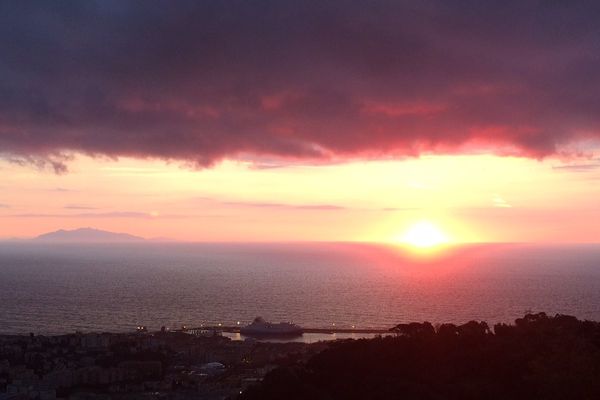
<point x="87" y="235"/>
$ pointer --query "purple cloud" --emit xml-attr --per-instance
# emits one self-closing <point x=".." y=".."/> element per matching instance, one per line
<point x="312" y="81"/>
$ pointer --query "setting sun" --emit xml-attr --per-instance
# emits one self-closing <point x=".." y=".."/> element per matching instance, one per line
<point x="424" y="234"/>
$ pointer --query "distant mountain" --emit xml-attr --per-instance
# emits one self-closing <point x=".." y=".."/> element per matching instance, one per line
<point x="87" y="235"/>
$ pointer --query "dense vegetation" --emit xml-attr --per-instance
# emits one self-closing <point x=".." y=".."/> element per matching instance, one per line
<point x="539" y="357"/>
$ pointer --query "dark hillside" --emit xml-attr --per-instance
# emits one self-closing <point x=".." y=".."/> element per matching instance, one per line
<point x="539" y="357"/>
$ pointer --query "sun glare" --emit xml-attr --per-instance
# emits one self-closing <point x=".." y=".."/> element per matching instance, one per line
<point x="424" y="234"/>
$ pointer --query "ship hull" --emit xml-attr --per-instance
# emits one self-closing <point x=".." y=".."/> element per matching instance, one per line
<point x="271" y="333"/>
<point x="266" y="329"/>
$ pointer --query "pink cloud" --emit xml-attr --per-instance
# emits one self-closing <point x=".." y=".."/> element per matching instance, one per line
<point x="295" y="81"/>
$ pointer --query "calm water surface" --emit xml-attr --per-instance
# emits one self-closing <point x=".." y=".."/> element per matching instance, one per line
<point x="62" y="288"/>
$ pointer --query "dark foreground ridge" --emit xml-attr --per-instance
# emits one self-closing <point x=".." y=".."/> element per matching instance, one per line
<point x="539" y="357"/>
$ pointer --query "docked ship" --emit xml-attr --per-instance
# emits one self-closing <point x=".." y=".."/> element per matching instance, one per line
<point x="260" y="327"/>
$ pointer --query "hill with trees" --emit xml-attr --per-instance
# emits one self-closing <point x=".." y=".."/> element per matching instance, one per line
<point x="537" y="357"/>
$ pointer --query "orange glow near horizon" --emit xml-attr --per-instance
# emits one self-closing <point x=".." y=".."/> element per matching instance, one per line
<point x="423" y="235"/>
<point x="478" y="198"/>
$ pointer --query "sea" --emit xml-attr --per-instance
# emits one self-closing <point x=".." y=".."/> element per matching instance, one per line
<point x="63" y="288"/>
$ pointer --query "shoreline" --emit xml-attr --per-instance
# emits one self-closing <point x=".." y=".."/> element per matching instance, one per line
<point x="236" y="329"/>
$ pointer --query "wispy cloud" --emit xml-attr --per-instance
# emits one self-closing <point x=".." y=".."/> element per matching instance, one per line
<point x="266" y="166"/>
<point x="116" y="214"/>
<point x="322" y="207"/>
<point x="112" y="214"/>
<point x="394" y="209"/>
<point x="79" y="207"/>
<point x="270" y="205"/>
<point x="579" y="167"/>
<point x="60" y="190"/>
<point x="499" y="202"/>
<point x="295" y="206"/>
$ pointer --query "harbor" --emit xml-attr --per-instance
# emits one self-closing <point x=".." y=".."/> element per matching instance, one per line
<point x="333" y="330"/>
<point x="307" y="336"/>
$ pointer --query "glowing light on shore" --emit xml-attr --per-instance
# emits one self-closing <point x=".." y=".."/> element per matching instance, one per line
<point x="424" y="234"/>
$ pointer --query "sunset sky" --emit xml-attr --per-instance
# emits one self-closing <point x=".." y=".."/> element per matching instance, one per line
<point x="295" y="121"/>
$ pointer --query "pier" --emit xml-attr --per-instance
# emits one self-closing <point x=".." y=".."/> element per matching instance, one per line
<point x="236" y="329"/>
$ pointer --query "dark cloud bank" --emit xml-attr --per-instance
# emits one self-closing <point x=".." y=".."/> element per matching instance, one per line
<point x="198" y="81"/>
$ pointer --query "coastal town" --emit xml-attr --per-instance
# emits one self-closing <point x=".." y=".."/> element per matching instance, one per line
<point x="139" y="365"/>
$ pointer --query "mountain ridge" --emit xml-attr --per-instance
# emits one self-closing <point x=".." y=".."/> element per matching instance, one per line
<point x="87" y="235"/>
